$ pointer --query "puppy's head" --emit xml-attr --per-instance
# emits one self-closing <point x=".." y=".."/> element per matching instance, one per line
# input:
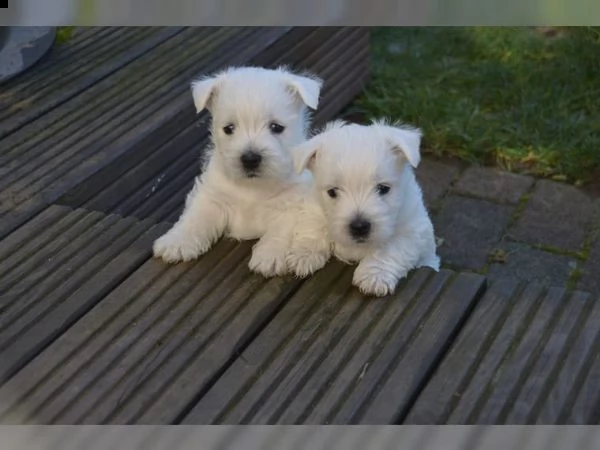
<point x="257" y="116"/>
<point x="360" y="173"/>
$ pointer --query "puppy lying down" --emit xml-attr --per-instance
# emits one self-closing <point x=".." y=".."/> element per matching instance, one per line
<point x="373" y="206"/>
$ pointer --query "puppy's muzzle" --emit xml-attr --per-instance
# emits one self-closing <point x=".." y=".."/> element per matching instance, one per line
<point x="359" y="228"/>
<point x="250" y="161"/>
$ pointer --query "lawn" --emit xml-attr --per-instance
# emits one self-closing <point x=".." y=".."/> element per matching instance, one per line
<point x="518" y="98"/>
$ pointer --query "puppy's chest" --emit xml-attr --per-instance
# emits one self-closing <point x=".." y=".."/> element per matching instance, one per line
<point x="246" y="222"/>
<point x="349" y="254"/>
<point x="250" y="216"/>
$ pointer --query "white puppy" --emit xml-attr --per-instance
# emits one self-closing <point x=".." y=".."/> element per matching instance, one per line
<point x="373" y="206"/>
<point x="249" y="188"/>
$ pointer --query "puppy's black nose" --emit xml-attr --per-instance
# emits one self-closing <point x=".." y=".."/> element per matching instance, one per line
<point x="250" y="160"/>
<point x="360" y="228"/>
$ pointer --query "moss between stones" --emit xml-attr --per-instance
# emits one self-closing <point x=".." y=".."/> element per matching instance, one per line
<point x="520" y="208"/>
<point x="579" y="255"/>
<point x="574" y="277"/>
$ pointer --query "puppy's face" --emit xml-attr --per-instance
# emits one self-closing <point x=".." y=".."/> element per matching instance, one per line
<point x="359" y="173"/>
<point x="258" y="115"/>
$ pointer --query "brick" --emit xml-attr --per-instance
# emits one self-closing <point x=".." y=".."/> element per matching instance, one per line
<point x="470" y="229"/>
<point x="435" y="178"/>
<point x="557" y="215"/>
<point x="492" y="184"/>
<point x="530" y="264"/>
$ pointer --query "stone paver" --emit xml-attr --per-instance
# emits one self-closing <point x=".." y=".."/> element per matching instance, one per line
<point x="435" y="178"/>
<point x="470" y="229"/>
<point x="530" y="264"/>
<point x="557" y="215"/>
<point x="472" y="221"/>
<point x="493" y="184"/>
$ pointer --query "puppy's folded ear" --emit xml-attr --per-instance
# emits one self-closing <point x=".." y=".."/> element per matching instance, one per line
<point x="405" y="140"/>
<point x="307" y="87"/>
<point x="202" y="92"/>
<point x="305" y="155"/>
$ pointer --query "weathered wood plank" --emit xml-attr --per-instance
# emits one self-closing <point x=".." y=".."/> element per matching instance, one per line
<point x="71" y="67"/>
<point x="135" y="356"/>
<point x="447" y="385"/>
<point x="328" y="354"/>
<point x="33" y="235"/>
<point x="142" y="105"/>
<point x="558" y="405"/>
<point x="319" y="294"/>
<point x="521" y="358"/>
<point x="537" y="382"/>
<point x="583" y="408"/>
<point x="50" y="284"/>
<point x="153" y="181"/>
<point x="154" y="343"/>
<point x="405" y="377"/>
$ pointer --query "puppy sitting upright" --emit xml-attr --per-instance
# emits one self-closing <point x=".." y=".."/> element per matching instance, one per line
<point x="248" y="188"/>
<point x="365" y="183"/>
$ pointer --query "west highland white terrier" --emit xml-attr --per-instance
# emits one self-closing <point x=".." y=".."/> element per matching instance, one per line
<point x="249" y="188"/>
<point x="372" y="203"/>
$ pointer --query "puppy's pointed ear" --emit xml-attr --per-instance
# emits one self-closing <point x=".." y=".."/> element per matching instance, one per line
<point x="203" y="91"/>
<point x="305" y="155"/>
<point x="405" y="141"/>
<point x="307" y="87"/>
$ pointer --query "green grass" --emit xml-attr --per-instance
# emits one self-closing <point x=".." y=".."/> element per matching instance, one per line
<point x="511" y="97"/>
<point x="64" y="34"/>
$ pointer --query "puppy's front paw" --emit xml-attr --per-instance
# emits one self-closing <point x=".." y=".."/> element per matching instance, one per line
<point x="176" y="245"/>
<point x="305" y="262"/>
<point x="374" y="281"/>
<point x="268" y="260"/>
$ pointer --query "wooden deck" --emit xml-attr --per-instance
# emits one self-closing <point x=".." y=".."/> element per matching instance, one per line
<point x="99" y="145"/>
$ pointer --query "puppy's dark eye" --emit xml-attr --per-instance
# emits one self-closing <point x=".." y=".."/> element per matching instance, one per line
<point x="276" y="128"/>
<point x="382" y="189"/>
<point x="332" y="192"/>
<point x="228" y="129"/>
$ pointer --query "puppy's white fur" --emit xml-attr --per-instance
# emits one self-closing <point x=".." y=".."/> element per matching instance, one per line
<point x="249" y="106"/>
<point x="366" y="172"/>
